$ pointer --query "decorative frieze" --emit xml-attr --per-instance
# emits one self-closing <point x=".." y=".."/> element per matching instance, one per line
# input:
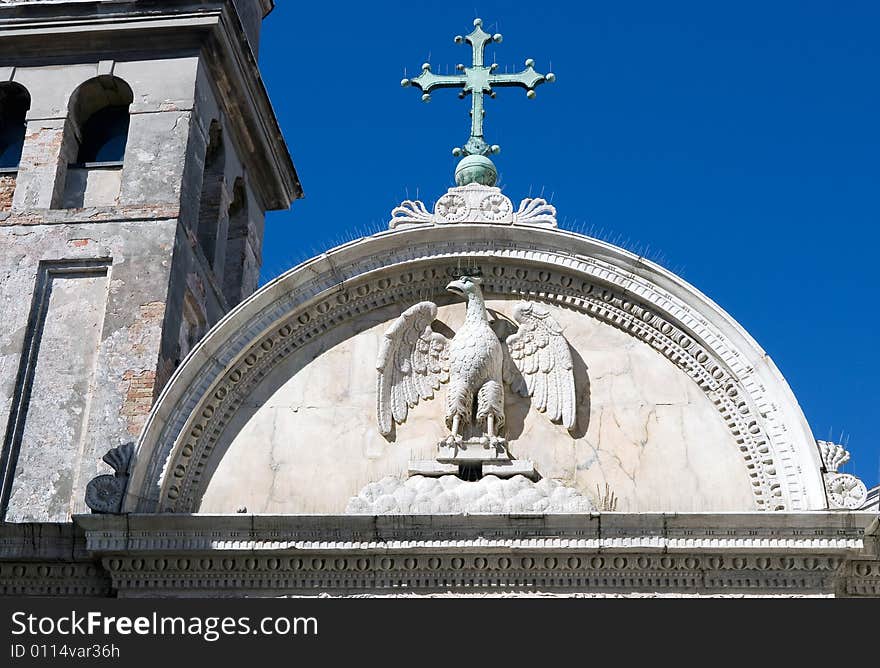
<point x="860" y="577"/>
<point x="48" y="578"/>
<point x="767" y="554"/>
<point x="557" y="571"/>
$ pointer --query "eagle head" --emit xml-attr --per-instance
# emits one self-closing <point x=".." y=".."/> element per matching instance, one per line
<point x="466" y="286"/>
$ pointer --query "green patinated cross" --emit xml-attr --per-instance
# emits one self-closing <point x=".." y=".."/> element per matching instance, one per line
<point x="478" y="80"/>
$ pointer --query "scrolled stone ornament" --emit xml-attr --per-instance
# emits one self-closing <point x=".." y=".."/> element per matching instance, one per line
<point x="833" y="455"/>
<point x="104" y="493"/>
<point x="844" y="491"/>
<point x="474" y="203"/>
<point x="410" y="212"/>
<point x="535" y="212"/>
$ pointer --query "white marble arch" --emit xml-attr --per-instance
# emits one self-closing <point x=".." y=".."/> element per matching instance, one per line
<point x="341" y="294"/>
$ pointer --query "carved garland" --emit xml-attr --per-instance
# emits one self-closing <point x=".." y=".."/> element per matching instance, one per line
<point x="182" y="480"/>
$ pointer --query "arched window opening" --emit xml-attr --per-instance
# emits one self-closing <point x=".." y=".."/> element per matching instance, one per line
<point x="100" y="119"/>
<point x="212" y="192"/>
<point x="104" y="136"/>
<point x="236" y="245"/>
<point x="94" y="144"/>
<point x="14" y="104"/>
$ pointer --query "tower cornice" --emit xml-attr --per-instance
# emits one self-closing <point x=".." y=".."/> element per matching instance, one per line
<point x="33" y="32"/>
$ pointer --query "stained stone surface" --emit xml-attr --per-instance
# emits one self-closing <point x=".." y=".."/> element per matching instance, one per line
<point x="420" y="495"/>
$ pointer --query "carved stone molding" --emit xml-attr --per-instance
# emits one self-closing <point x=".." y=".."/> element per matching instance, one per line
<point x="176" y="449"/>
<point x="698" y="554"/>
<point x="51" y="578"/>
<point x="860" y="577"/>
<point x="620" y="554"/>
<point x="557" y="571"/>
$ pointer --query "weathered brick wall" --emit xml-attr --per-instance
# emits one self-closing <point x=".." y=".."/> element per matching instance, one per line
<point x="7" y="188"/>
<point x="139" y="395"/>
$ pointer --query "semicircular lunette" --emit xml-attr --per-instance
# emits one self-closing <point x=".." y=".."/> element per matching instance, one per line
<point x="401" y="267"/>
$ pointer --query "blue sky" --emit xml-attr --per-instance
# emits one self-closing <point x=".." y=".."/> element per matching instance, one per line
<point x="736" y="144"/>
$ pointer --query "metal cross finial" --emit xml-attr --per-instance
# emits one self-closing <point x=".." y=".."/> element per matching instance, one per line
<point x="478" y="80"/>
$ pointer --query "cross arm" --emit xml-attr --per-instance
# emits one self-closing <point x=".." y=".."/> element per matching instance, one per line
<point x="428" y="81"/>
<point x="527" y="78"/>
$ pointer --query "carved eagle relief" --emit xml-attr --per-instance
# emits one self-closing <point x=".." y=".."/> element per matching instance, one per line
<point x="414" y="360"/>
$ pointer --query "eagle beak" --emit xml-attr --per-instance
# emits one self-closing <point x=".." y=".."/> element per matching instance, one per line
<point x="456" y="287"/>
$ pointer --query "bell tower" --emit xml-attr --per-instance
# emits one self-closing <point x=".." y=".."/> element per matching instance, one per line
<point x="139" y="153"/>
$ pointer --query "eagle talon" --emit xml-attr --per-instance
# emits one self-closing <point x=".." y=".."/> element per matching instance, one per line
<point x="498" y="442"/>
<point x="454" y="440"/>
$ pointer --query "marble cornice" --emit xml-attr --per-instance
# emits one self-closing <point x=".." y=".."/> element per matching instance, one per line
<point x="596" y="554"/>
<point x="644" y="532"/>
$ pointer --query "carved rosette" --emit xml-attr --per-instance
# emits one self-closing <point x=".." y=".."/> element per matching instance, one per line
<point x="845" y="491"/>
<point x="451" y="208"/>
<point x="495" y="208"/>
<point x="474" y="203"/>
<point x="104" y="494"/>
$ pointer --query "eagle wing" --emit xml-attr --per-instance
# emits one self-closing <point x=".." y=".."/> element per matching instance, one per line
<point x="413" y="361"/>
<point x="537" y="363"/>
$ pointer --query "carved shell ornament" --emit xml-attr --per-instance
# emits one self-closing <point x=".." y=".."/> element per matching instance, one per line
<point x="833" y="455"/>
<point x="414" y="360"/>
